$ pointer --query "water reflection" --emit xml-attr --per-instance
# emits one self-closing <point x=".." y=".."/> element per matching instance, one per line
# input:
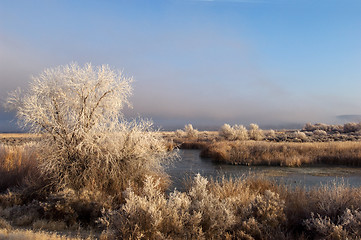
<point x="190" y="164"/>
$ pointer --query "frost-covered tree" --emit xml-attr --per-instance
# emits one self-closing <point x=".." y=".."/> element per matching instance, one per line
<point x="86" y="140"/>
<point x="255" y="133"/>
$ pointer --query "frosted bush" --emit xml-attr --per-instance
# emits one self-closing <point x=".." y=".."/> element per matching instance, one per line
<point x="308" y="127"/>
<point x="348" y="225"/>
<point x="320" y="133"/>
<point x="332" y="199"/>
<point x="240" y="132"/>
<point x="351" y="127"/>
<point x="236" y="132"/>
<point x="217" y="214"/>
<point x="227" y="132"/>
<point x="300" y="135"/>
<point x="152" y="216"/>
<point x="330" y="128"/>
<point x="179" y="133"/>
<point x="190" y="132"/>
<point x="351" y="221"/>
<point x="268" y="209"/>
<point x="324" y="228"/>
<point x="86" y="141"/>
<point x="264" y="218"/>
<point x="271" y="133"/>
<point x="255" y="133"/>
<point x="317" y="126"/>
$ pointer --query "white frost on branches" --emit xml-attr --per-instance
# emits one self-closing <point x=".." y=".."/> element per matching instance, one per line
<point x="87" y="141"/>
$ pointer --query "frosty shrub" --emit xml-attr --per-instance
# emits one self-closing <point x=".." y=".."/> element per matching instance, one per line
<point x="86" y="140"/>
<point x="271" y="133"/>
<point x="334" y="198"/>
<point x="348" y="226"/>
<point x="179" y="133"/>
<point x="300" y="135"/>
<point x="236" y="132"/>
<point x="150" y="215"/>
<point x="318" y="126"/>
<point x="351" y="127"/>
<point x="265" y="218"/>
<point x="227" y="132"/>
<point x="240" y="132"/>
<point x="348" y="127"/>
<point x="197" y="214"/>
<point x="218" y="215"/>
<point x="268" y="209"/>
<point x="320" y="133"/>
<point x="190" y="132"/>
<point x="324" y="228"/>
<point x="255" y="133"/>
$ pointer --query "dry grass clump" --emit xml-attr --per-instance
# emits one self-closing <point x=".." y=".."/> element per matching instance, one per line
<point x="66" y="211"/>
<point x="6" y="234"/>
<point x="18" y="138"/>
<point x="326" y="212"/>
<point x="18" y="163"/>
<point x="4" y="224"/>
<point x="188" y="132"/>
<point x="328" y="201"/>
<point x="179" y="139"/>
<point x="285" y="153"/>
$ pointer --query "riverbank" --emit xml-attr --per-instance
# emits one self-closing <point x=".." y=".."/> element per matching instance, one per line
<point x="249" y="207"/>
<point x="288" y="154"/>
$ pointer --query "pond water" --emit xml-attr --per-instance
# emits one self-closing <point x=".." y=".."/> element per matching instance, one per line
<point x="190" y="163"/>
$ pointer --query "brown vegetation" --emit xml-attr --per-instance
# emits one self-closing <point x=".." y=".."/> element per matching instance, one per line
<point x="18" y="138"/>
<point x="92" y="170"/>
<point x="250" y="208"/>
<point x="18" y="164"/>
<point x="285" y="153"/>
<point x="244" y="208"/>
<point x="6" y="234"/>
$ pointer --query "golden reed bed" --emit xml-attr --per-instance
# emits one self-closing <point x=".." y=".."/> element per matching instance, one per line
<point x="284" y="153"/>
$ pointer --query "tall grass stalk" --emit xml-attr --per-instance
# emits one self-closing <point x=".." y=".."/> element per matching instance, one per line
<point x="17" y="164"/>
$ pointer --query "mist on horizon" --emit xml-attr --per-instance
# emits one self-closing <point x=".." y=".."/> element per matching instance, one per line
<point x="275" y="63"/>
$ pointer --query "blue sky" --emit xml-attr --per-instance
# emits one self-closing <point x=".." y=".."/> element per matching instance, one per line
<point x="272" y="62"/>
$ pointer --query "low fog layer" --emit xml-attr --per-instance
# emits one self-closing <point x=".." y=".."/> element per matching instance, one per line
<point x="199" y="62"/>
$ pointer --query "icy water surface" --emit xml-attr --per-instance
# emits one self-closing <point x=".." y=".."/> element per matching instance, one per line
<point x="190" y="163"/>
